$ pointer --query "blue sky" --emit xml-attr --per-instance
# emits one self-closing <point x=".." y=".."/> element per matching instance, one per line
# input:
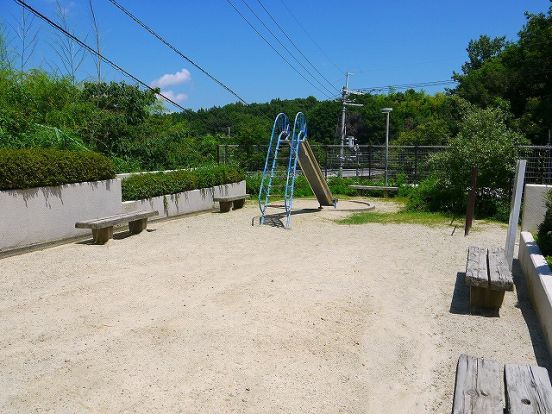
<point x="382" y="43"/>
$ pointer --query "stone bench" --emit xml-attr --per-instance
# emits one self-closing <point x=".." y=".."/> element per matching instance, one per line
<point x="488" y="276"/>
<point x="479" y="385"/>
<point x="225" y="203"/>
<point x="385" y="188"/>
<point x="102" y="228"/>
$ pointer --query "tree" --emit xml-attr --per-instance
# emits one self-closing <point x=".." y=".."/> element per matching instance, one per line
<point x="27" y="36"/>
<point x="96" y="30"/>
<point x="483" y="50"/>
<point x="70" y="54"/>
<point x="517" y="73"/>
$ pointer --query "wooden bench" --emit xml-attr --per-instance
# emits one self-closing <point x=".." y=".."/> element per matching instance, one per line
<point x="225" y="203"/>
<point x="102" y="228"/>
<point x="478" y="388"/>
<point x="488" y="276"/>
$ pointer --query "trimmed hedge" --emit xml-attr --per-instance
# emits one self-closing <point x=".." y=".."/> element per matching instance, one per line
<point x="140" y="186"/>
<point x="28" y="168"/>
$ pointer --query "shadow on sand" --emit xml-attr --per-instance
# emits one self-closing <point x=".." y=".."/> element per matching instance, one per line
<point x="275" y="220"/>
<point x="460" y="305"/>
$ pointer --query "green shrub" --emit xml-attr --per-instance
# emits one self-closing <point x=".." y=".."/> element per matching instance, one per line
<point x="28" y="168"/>
<point x="141" y="186"/>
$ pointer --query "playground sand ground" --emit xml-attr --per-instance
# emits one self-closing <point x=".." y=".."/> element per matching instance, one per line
<point x="208" y="314"/>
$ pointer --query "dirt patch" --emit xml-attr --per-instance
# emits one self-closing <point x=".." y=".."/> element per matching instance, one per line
<point x="210" y="314"/>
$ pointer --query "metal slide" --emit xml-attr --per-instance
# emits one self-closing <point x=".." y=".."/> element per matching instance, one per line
<point x="313" y="174"/>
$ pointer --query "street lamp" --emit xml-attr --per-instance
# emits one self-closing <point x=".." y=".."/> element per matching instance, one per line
<point x="386" y="111"/>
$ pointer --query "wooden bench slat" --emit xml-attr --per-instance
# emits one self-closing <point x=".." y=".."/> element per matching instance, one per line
<point x="500" y="277"/>
<point x="476" y="267"/>
<point x="528" y="389"/>
<point x="478" y="387"/>
<point x="231" y="198"/>
<point x="111" y="221"/>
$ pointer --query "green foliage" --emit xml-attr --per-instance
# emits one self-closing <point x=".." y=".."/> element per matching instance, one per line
<point x="544" y="235"/>
<point x="28" y="168"/>
<point x="142" y="186"/>
<point x="516" y="73"/>
<point x="485" y="141"/>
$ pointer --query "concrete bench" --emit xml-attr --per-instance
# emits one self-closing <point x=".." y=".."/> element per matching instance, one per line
<point x="488" y="276"/>
<point x="385" y="188"/>
<point x="225" y="203"/>
<point x="478" y="388"/>
<point x="102" y="228"/>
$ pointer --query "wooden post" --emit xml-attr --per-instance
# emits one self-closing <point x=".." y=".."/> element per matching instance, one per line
<point x="470" y="208"/>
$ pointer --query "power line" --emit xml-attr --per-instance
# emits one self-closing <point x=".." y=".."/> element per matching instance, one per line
<point x="311" y="38"/>
<point x="295" y="46"/>
<point x="411" y="85"/>
<point x="274" y="49"/>
<point x="95" y="52"/>
<point x="177" y="51"/>
<point x="284" y="46"/>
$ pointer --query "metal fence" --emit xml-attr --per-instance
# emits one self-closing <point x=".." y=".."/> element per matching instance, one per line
<point x="368" y="161"/>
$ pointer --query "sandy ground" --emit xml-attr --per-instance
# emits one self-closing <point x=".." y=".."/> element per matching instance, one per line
<point x="208" y="314"/>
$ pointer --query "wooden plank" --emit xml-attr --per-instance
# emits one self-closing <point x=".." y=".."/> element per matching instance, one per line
<point x="478" y="388"/>
<point x="528" y="389"/>
<point x="476" y="267"/>
<point x="231" y="198"/>
<point x="373" y="187"/>
<point x="110" y="221"/>
<point x="500" y="277"/>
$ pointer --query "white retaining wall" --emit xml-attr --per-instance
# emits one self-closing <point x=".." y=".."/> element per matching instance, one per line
<point x="539" y="282"/>
<point x="45" y="214"/>
<point x="185" y="202"/>
<point x="534" y="206"/>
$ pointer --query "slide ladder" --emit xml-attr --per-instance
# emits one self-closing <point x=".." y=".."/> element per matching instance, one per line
<point x="280" y="135"/>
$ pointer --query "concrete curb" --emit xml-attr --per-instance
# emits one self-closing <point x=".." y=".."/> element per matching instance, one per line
<point x="539" y="282"/>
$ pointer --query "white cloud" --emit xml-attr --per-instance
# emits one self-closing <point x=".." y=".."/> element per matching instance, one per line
<point x="175" y="96"/>
<point x="171" y="79"/>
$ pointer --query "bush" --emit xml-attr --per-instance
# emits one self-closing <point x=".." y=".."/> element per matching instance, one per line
<point x="142" y="186"/>
<point x="28" y="168"/>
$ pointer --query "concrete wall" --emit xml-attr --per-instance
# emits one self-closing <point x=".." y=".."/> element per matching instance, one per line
<point x="539" y="282"/>
<point x="534" y="206"/>
<point x="45" y="214"/>
<point x="186" y="202"/>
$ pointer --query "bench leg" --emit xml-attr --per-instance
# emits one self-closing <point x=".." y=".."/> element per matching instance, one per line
<point x="225" y="206"/>
<point x="239" y="203"/>
<point x="137" y="226"/>
<point x="485" y="298"/>
<point x="101" y="236"/>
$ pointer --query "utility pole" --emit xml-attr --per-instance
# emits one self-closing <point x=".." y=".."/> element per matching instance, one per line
<point x="345" y="92"/>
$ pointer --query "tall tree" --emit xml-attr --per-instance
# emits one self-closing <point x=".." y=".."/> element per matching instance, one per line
<point x="71" y="55"/>
<point x="96" y="30"/>
<point x="27" y="36"/>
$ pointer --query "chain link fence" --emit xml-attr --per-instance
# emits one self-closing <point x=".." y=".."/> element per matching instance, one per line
<point x="368" y="161"/>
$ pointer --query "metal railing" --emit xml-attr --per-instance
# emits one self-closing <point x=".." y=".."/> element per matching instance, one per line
<point x="368" y="161"/>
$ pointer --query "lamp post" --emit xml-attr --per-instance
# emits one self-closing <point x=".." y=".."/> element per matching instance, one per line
<point x="386" y="111"/>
